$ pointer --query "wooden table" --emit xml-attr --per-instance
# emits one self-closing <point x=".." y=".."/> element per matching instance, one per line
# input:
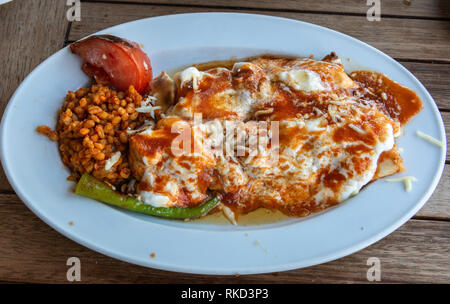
<point x="416" y="34"/>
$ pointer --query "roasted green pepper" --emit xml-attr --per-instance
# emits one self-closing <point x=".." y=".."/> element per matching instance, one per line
<point x="91" y="187"/>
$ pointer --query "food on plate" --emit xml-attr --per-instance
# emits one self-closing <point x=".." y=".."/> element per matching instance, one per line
<point x="93" y="188"/>
<point x="93" y="131"/>
<point x="291" y="134"/>
<point x="115" y="60"/>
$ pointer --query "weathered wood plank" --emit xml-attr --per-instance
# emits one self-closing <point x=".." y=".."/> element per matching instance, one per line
<point x="398" y="37"/>
<point x="435" y="77"/>
<point x="416" y="8"/>
<point x="30" y="31"/>
<point x="438" y="206"/>
<point x="30" y="251"/>
<point x="4" y="183"/>
<point x="446" y="119"/>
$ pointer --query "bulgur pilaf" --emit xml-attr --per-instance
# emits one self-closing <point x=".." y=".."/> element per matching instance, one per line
<point x="92" y="127"/>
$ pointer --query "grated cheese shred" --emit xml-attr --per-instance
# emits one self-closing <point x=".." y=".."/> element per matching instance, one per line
<point x="357" y="129"/>
<point x="407" y="181"/>
<point x="110" y="162"/>
<point x="229" y="214"/>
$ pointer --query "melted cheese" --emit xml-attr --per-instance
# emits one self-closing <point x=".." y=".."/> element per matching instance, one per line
<point x="301" y="80"/>
<point x="110" y="162"/>
<point x="191" y="75"/>
<point x="332" y="136"/>
<point x="172" y="174"/>
<point x="229" y="214"/>
<point x="153" y="199"/>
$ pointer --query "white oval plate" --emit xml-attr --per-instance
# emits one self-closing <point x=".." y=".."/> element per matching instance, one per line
<point x="35" y="171"/>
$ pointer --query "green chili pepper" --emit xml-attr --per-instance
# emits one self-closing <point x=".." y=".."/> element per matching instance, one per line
<point x="91" y="187"/>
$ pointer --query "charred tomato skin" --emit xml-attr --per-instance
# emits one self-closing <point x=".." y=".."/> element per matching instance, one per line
<point x="123" y="62"/>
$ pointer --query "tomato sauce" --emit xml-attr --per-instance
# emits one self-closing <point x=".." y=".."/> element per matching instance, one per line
<point x="399" y="102"/>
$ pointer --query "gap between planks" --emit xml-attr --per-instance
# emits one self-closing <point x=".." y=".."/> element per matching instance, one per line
<point x="358" y="8"/>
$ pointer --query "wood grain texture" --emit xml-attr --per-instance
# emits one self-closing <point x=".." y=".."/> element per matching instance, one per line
<point x="415" y="8"/>
<point x="30" y="251"/>
<point x="435" y="77"/>
<point x="418" y="252"/>
<point x="400" y="38"/>
<point x="438" y="206"/>
<point x="26" y="44"/>
<point x="30" y="31"/>
<point x="446" y="119"/>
